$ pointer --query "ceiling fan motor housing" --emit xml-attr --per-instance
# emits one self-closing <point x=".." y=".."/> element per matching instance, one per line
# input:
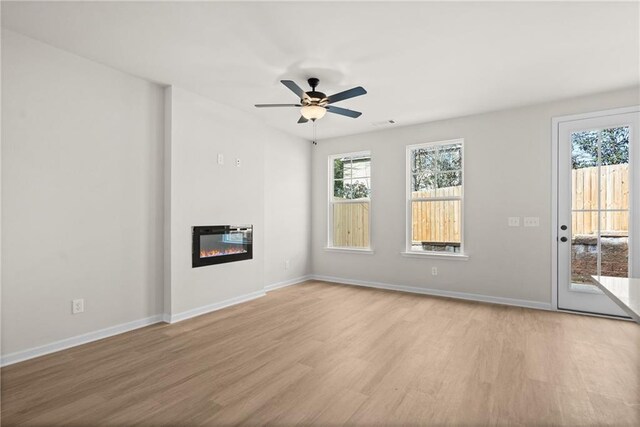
<point x="314" y="97"/>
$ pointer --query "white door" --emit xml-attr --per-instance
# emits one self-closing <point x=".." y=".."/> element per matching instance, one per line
<point x="598" y="206"/>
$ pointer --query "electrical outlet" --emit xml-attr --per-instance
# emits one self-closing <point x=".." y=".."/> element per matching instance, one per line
<point x="531" y="221"/>
<point x="514" y="221"/>
<point x="434" y="271"/>
<point x="287" y="264"/>
<point x="221" y="159"/>
<point x="77" y="306"/>
<point x="237" y="162"/>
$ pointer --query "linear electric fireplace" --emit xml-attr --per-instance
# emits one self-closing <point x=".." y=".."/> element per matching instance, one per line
<point x="216" y="244"/>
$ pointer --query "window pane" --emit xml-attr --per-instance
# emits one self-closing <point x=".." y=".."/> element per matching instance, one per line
<point x="347" y="168"/>
<point x="449" y="179"/>
<point x="584" y="247"/>
<point x="351" y="225"/>
<point x="361" y="167"/>
<point x="584" y="149"/>
<point x="358" y="189"/>
<point x="338" y="169"/>
<point x="614" y="172"/>
<point x="356" y="167"/>
<point x="423" y="159"/>
<point x="450" y="157"/>
<point x="614" y="243"/>
<point x="436" y="226"/>
<point x="614" y="146"/>
<point x="423" y="182"/>
<point x="338" y="189"/>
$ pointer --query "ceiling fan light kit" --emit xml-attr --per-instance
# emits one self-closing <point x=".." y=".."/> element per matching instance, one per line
<point x="313" y="112"/>
<point x="314" y="105"/>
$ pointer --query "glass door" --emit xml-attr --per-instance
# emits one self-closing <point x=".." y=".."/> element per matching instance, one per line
<point x="597" y="221"/>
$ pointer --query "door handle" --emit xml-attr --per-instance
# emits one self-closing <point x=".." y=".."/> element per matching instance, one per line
<point x="563" y="239"/>
<point x="563" y="227"/>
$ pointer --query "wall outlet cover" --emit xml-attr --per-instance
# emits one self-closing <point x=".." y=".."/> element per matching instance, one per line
<point x="221" y="159"/>
<point x="77" y="306"/>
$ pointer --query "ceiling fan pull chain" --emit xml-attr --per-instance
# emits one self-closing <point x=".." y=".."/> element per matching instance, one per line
<point x="314" y="133"/>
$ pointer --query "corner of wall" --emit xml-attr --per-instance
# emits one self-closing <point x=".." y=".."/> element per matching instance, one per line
<point x="168" y="95"/>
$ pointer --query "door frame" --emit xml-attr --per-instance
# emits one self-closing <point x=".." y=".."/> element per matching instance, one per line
<point x="555" y="165"/>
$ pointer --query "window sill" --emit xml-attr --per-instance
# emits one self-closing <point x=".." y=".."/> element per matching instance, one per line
<point x="364" y="251"/>
<point x="455" y="257"/>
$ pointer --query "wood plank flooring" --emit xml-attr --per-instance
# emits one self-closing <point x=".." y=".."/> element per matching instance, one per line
<point x="322" y="354"/>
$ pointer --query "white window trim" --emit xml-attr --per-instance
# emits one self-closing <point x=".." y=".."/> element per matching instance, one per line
<point x="408" y="252"/>
<point x="330" y="202"/>
<point x="432" y="254"/>
<point x="363" y="251"/>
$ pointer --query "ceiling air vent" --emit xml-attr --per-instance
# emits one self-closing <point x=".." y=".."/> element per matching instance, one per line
<point x="383" y="123"/>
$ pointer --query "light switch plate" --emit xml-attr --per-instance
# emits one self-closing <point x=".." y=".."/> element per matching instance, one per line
<point x="531" y="221"/>
<point x="514" y="221"/>
<point x="221" y="159"/>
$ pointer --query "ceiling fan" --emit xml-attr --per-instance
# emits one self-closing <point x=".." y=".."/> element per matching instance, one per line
<point x="314" y="105"/>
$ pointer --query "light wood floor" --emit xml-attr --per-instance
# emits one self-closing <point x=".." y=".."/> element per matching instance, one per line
<point x="331" y="354"/>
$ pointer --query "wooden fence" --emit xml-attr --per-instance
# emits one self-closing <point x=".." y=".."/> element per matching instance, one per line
<point x="614" y="194"/>
<point x="436" y="221"/>
<point x="351" y="225"/>
<point x="439" y="221"/>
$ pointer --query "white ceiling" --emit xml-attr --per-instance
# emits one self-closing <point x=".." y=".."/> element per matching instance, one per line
<point x="419" y="61"/>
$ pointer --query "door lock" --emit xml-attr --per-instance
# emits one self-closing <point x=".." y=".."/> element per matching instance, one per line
<point x="563" y="239"/>
<point x="563" y="227"/>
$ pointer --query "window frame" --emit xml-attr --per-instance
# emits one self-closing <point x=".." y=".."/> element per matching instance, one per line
<point x="330" y="202"/>
<point x="462" y="255"/>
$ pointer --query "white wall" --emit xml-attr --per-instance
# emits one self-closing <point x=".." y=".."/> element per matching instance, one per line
<point x="82" y="195"/>
<point x="507" y="173"/>
<point x="91" y="168"/>
<point x="287" y="189"/>
<point x="205" y="193"/>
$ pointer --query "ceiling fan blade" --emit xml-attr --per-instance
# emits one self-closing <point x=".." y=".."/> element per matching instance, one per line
<point x="293" y="87"/>
<point x="302" y="119"/>
<point x="351" y="93"/>
<point x="277" y="105"/>
<point x="343" y="111"/>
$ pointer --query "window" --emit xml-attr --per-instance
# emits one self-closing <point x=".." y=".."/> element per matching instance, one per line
<point x="349" y="200"/>
<point x="435" y="196"/>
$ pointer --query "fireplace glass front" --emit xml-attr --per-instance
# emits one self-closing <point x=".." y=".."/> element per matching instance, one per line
<point x="218" y="244"/>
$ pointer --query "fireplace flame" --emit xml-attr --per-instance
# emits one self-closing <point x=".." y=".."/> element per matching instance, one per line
<point x="204" y="253"/>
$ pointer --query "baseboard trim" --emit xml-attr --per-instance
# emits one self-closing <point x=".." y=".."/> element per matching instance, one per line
<point x="86" y="338"/>
<point x="53" y="347"/>
<point x="437" y="292"/>
<point x="286" y="283"/>
<point x="214" y="307"/>
<point x="77" y="340"/>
